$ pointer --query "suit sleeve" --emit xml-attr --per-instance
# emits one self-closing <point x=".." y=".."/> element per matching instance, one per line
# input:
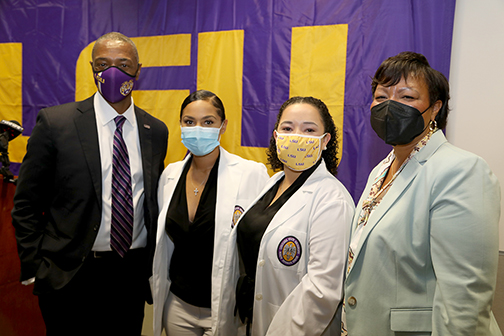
<point x="29" y="215"/>
<point x="164" y="143"/>
<point x="464" y="243"/>
<point x="161" y="171"/>
<point x="310" y="307"/>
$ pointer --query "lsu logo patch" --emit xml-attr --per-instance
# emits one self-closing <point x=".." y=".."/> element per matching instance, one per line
<point x="289" y="251"/>
<point x="238" y="210"/>
<point x="126" y="87"/>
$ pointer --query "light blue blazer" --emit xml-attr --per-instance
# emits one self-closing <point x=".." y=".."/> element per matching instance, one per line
<point x="426" y="263"/>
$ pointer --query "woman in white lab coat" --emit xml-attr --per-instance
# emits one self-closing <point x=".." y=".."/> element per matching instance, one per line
<point x="200" y="198"/>
<point x="291" y="244"/>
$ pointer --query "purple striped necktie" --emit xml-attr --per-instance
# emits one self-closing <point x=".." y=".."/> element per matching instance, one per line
<point x="121" y="230"/>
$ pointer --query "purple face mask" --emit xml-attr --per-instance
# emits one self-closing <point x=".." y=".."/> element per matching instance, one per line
<point x="114" y="84"/>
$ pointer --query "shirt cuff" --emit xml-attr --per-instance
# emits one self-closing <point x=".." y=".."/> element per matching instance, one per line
<point x="28" y="282"/>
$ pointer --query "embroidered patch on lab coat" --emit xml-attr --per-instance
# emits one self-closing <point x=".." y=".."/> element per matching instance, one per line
<point x="238" y="210"/>
<point x="289" y="251"/>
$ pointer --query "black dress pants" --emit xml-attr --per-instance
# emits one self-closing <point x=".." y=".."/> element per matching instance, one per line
<point x="105" y="297"/>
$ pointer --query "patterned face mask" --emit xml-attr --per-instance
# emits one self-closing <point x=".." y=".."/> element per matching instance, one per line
<point x="298" y="152"/>
<point x="114" y="84"/>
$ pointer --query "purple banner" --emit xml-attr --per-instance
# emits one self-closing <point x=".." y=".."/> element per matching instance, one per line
<point x="53" y="33"/>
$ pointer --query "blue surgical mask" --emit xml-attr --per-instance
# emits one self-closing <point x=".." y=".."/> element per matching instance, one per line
<point x="200" y="140"/>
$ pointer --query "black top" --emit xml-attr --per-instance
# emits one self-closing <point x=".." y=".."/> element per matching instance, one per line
<point x="251" y="229"/>
<point x="192" y="260"/>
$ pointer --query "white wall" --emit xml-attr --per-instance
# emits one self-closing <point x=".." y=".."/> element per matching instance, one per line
<point x="476" y="122"/>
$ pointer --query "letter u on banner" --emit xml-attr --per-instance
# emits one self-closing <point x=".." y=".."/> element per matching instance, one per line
<point x="318" y="66"/>
<point x="220" y="70"/>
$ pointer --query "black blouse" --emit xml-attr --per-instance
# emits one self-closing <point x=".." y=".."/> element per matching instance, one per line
<point x="192" y="259"/>
<point x="251" y="229"/>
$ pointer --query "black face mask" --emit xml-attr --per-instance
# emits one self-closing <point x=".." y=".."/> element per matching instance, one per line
<point x="397" y="123"/>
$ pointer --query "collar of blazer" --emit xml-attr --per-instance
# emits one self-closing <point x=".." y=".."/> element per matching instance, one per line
<point x="85" y="124"/>
<point x="145" y="139"/>
<point x="397" y="189"/>
<point x="297" y="201"/>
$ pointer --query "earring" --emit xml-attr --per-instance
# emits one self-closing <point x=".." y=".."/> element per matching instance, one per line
<point x="433" y="125"/>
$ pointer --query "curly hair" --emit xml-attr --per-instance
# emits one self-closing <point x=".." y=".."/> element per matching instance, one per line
<point x="329" y="155"/>
<point x="408" y="63"/>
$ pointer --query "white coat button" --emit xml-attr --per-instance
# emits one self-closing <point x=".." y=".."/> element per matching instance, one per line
<point x="352" y="301"/>
<point x="259" y="297"/>
<point x="262" y="262"/>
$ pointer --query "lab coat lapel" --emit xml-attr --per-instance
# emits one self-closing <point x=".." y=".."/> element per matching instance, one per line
<point x="145" y="138"/>
<point x="85" y="123"/>
<point x="294" y="205"/>
<point x="228" y="183"/>
<point x="297" y="201"/>
<point x="267" y="187"/>
<point x="168" y="188"/>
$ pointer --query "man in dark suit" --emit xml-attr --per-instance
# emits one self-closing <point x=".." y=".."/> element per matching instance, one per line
<point x="85" y="207"/>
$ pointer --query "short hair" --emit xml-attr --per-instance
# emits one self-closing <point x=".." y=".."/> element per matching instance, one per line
<point x="206" y="96"/>
<point x="116" y="36"/>
<point x="409" y="63"/>
<point x="329" y="155"/>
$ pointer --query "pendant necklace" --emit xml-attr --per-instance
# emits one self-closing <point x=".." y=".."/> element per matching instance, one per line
<point x="196" y="191"/>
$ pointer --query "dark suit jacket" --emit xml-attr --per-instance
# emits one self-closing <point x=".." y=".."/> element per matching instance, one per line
<point x="58" y="199"/>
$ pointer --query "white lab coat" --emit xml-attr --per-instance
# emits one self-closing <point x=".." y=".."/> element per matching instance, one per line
<point x="239" y="181"/>
<point x="300" y="299"/>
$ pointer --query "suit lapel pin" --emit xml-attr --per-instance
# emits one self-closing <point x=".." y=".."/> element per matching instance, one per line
<point x="147" y="126"/>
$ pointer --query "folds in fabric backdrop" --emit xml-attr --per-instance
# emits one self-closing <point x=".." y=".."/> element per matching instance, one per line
<point x="254" y="54"/>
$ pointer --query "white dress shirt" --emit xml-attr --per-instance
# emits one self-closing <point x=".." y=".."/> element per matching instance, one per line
<point x="106" y="126"/>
